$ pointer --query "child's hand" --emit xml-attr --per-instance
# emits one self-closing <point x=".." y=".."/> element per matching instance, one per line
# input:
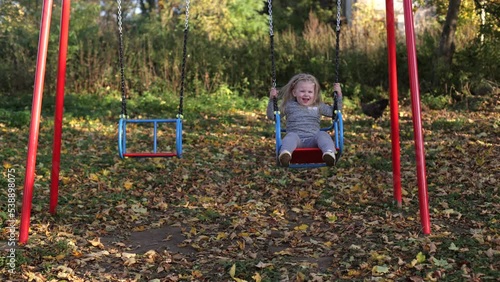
<point x="336" y="88"/>
<point x="273" y="93"/>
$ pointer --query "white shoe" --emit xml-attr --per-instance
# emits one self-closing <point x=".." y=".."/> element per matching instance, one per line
<point x="329" y="158"/>
<point x="285" y="158"/>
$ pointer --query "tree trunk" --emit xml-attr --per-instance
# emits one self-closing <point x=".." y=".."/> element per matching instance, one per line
<point x="447" y="42"/>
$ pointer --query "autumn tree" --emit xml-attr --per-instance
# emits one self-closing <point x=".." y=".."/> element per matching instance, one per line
<point x="447" y="44"/>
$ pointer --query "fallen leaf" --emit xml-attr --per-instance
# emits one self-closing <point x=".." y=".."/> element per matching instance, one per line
<point x="377" y="270"/>
<point x="453" y="247"/>
<point x="257" y="277"/>
<point x="96" y="242"/>
<point x="232" y="273"/>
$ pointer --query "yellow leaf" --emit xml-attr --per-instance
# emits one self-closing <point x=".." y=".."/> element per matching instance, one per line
<point x="404" y="192"/>
<point x="319" y="182"/>
<point x="196" y="274"/>
<point x="284" y="252"/>
<point x="193" y="231"/>
<point x="353" y="272"/>
<point x="303" y="194"/>
<point x="96" y="243"/>
<point x="139" y="228"/>
<point x="232" y="271"/>
<point x="241" y="244"/>
<point x="356" y="188"/>
<point x="378" y="257"/>
<point x="257" y="277"/>
<point x="302" y="227"/>
<point x="7" y="165"/>
<point x="221" y="235"/>
<point x="331" y="217"/>
<point x="65" y="180"/>
<point x="127" y="261"/>
<point x="94" y="177"/>
<point x="300" y="277"/>
<point x="421" y="257"/>
<point x="127" y="185"/>
<point x="308" y="207"/>
<point x="77" y="253"/>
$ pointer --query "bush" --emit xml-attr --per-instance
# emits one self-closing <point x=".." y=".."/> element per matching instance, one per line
<point x="435" y="102"/>
<point x="16" y="119"/>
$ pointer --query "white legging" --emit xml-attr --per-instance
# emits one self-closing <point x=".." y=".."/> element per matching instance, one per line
<point x="321" y="140"/>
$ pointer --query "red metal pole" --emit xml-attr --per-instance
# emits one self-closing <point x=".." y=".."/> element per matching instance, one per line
<point x="417" y="120"/>
<point x="58" y="116"/>
<point x="36" y="108"/>
<point x="393" y="92"/>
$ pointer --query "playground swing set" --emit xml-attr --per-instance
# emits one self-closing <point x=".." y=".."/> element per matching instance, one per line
<point x="305" y="157"/>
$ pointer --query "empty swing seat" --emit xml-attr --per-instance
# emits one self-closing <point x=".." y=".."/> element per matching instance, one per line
<point x="122" y="139"/>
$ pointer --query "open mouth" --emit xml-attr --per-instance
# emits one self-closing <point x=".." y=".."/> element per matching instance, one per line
<point x="305" y="100"/>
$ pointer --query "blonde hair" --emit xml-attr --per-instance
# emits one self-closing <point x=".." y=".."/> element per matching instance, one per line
<point x="286" y="92"/>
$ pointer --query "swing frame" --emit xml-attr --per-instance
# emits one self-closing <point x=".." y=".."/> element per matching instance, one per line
<point x="122" y="139"/>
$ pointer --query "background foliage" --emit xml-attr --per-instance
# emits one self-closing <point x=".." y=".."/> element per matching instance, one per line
<point x="228" y="48"/>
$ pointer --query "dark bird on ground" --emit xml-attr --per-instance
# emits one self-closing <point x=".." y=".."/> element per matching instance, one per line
<point x="375" y="109"/>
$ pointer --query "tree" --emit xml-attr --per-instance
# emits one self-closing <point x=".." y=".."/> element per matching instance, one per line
<point x="447" y="44"/>
<point x="147" y="6"/>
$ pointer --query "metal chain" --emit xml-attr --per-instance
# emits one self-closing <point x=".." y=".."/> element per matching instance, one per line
<point x="337" y="43"/>
<point x="273" y="61"/>
<point x="184" y="56"/>
<point x="270" y="10"/>
<point x="122" y="71"/>
<point x="337" y="101"/>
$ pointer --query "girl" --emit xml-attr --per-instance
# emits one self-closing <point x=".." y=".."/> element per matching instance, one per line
<point x="303" y="109"/>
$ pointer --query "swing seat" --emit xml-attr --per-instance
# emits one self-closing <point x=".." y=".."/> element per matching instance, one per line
<point x="312" y="157"/>
<point x="307" y="155"/>
<point x="149" y="155"/>
<point x="122" y="140"/>
<point x="308" y="158"/>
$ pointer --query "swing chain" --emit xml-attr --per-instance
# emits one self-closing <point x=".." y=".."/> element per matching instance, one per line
<point x="337" y="99"/>
<point x="184" y="56"/>
<point x="270" y="9"/>
<point x="273" y="63"/>
<point x="122" y="71"/>
<point x="337" y="42"/>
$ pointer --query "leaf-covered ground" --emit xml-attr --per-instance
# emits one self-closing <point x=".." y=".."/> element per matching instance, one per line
<point x="226" y="212"/>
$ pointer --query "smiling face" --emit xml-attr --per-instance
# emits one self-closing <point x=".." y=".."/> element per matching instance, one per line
<point x="305" y="93"/>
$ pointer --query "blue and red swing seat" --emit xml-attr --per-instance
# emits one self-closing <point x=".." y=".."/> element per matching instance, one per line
<point x="122" y="139"/>
<point x="312" y="157"/>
